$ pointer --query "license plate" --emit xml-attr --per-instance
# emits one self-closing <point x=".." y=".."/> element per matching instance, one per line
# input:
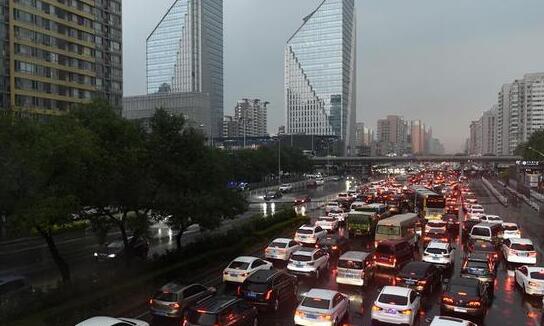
<point x="409" y="282"/>
<point x="252" y="295"/>
<point x="391" y="311"/>
<point x="435" y="258"/>
<point x="233" y="274"/>
<point x="459" y="309"/>
<point x="299" y="264"/>
<point x="312" y="316"/>
<point x="522" y="254"/>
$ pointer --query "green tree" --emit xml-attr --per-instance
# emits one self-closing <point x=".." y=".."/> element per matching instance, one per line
<point x="530" y="149"/>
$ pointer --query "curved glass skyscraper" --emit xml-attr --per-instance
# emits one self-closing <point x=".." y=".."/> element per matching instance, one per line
<point x="185" y="53"/>
<point x="320" y="73"/>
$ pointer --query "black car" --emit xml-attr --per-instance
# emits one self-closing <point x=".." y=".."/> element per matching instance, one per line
<point x="221" y="310"/>
<point x="272" y="195"/>
<point x="452" y="221"/>
<point x="420" y="276"/>
<point x="464" y="296"/>
<point x="334" y="245"/>
<point x="482" y="271"/>
<point x="484" y="246"/>
<point x="269" y="288"/>
<point x="116" y="249"/>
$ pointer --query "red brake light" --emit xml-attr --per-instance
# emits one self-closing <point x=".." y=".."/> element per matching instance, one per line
<point x="334" y="247"/>
<point x="447" y="300"/>
<point x="239" y="291"/>
<point x="202" y="311"/>
<point x="268" y="295"/>
<point x="174" y="305"/>
<point x="150" y="301"/>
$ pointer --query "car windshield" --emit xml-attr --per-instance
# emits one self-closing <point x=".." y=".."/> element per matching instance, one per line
<point x="315" y="303"/>
<point x="477" y="266"/>
<point x="276" y="244"/>
<point x="522" y="247"/>
<point x="116" y="245"/>
<point x="393" y="299"/>
<point x="493" y="218"/>
<point x="350" y="264"/>
<point x="196" y="317"/>
<point x="537" y="275"/>
<point x="510" y="227"/>
<point x="388" y="230"/>
<point x="305" y="231"/>
<point x="464" y="290"/>
<point x="165" y="296"/>
<point x="301" y="257"/>
<point x="481" y="231"/>
<point x="239" y="265"/>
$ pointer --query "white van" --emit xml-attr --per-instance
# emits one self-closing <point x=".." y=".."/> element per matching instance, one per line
<point x="355" y="268"/>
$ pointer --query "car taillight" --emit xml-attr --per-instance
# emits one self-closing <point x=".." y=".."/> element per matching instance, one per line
<point x="150" y="301"/>
<point x="239" y="291"/>
<point x="268" y="295"/>
<point x="299" y="313"/>
<point x="532" y="254"/>
<point x="406" y="312"/>
<point x="422" y="282"/>
<point x="447" y="300"/>
<point x="334" y="247"/>
<point x="376" y="308"/>
<point x="474" y="304"/>
<point x="174" y="305"/>
<point x="533" y="284"/>
<point x="325" y="317"/>
<point x="185" y="322"/>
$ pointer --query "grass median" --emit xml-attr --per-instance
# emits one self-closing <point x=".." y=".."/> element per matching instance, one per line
<point x="86" y="299"/>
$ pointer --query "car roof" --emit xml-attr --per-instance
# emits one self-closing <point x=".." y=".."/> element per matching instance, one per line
<point x="355" y="255"/>
<point x="492" y="216"/>
<point x="282" y="240"/>
<point x="396" y="290"/>
<point x="305" y="251"/>
<point x="448" y="321"/>
<point x="246" y="259"/>
<point x="215" y="304"/>
<point x="307" y="227"/>
<point x="509" y="224"/>
<point x="263" y="275"/>
<point x="521" y="241"/>
<point x="321" y="294"/>
<point x="172" y="287"/>
<point x="415" y="267"/>
<point x="467" y="282"/>
<point x="477" y="255"/>
<point x="486" y="225"/>
<point x="100" y="321"/>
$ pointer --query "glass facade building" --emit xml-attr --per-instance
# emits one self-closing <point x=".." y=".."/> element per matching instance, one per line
<point x="320" y="71"/>
<point x="185" y="53"/>
<point x="57" y="54"/>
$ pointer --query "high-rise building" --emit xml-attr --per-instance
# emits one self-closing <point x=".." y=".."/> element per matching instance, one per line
<point x="57" y="54"/>
<point x="185" y="53"/>
<point x="488" y="121"/>
<point x="475" y="139"/>
<point x="392" y="135"/>
<point x="251" y="115"/>
<point x="231" y="127"/>
<point x="359" y="133"/>
<point x="320" y="73"/>
<point x="520" y="112"/>
<point x="418" y="137"/>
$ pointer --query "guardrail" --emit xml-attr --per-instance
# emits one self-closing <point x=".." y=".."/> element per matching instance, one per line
<point x="534" y="205"/>
<point x="501" y="198"/>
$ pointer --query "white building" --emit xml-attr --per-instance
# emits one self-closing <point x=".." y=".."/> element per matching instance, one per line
<point x="251" y="115"/>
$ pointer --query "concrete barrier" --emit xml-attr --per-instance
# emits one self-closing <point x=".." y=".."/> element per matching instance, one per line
<point x="533" y="204"/>
<point x="501" y="198"/>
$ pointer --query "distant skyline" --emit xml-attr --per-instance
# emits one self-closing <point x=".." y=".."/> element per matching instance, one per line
<point x="436" y="61"/>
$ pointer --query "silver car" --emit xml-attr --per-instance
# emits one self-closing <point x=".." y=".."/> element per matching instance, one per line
<point x="173" y="298"/>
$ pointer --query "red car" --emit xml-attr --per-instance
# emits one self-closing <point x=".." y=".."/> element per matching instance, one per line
<point x="303" y="199"/>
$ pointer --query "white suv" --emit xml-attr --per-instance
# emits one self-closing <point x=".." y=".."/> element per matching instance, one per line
<point x="475" y="212"/>
<point x="519" y="251"/>
<point x="322" y="307"/>
<point x="510" y="231"/>
<point x="310" y="234"/>
<point x="396" y="305"/>
<point x="311" y="262"/>
<point x="328" y="223"/>
<point x="242" y="267"/>
<point x="281" y="249"/>
<point x="493" y="219"/>
<point x="439" y="253"/>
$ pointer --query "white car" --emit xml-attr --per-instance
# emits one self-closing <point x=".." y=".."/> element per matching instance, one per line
<point x="322" y="308"/>
<point x="310" y="262"/>
<point x="110" y="321"/>
<point x="475" y="212"/>
<point x="332" y="205"/>
<point x="519" y="251"/>
<point x="281" y="249"/>
<point x="338" y="214"/>
<point x="310" y="234"/>
<point x="319" y="181"/>
<point x="530" y="279"/>
<point x="450" y="321"/>
<point x="494" y="219"/>
<point x="328" y="223"/>
<point x="396" y="305"/>
<point x="439" y="253"/>
<point x="436" y="226"/>
<point x="286" y="187"/>
<point x="510" y="231"/>
<point x="242" y="267"/>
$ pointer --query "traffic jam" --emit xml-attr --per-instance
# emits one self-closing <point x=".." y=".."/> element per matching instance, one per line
<point x="416" y="249"/>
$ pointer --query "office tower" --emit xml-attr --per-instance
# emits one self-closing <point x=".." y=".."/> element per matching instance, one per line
<point x="418" y="137"/>
<point x="58" y="54"/>
<point x="359" y="133"/>
<point x="231" y="127"/>
<point x="488" y="121"/>
<point x="392" y="135"/>
<point x="251" y="114"/>
<point x="320" y="73"/>
<point x="185" y="53"/>
<point x="475" y="138"/>
<point x="520" y="112"/>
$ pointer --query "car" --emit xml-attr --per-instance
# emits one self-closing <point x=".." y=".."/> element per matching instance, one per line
<point x="286" y="187"/>
<point x="272" y="195"/>
<point x="450" y="321"/>
<point x="221" y="310"/>
<point x="439" y="253"/>
<point x="331" y="205"/>
<point x="484" y="246"/>
<point x="436" y="225"/>
<point x="322" y="307"/>
<point x="437" y="235"/>
<point x="482" y="271"/>
<point x="172" y="299"/>
<point x="14" y="287"/>
<point x="465" y="296"/>
<point x="421" y="276"/>
<point x="452" y="221"/>
<point x="338" y="214"/>
<point x="319" y="181"/>
<point x="355" y="268"/>
<point x="334" y="245"/>
<point x="116" y="249"/>
<point x="242" y="267"/>
<point x="303" y="199"/>
<point x="311" y="184"/>
<point x="530" y="279"/>
<point x="510" y="231"/>
<point x="467" y="227"/>
<point x="309" y="262"/>
<point x="328" y="223"/>
<point x="281" y="249"/>
<point x="491" y="232"/>
<point x="481" y="256"/>
<point x="519" y="251"/>
<point x="269" y="289"/>
<point x="309" y="234"/>
<point x="396" y="305"/>
<point x="110" y="321"/>
<point x="393" y="254"/>
<point x="475" y="211"/>
<point x="494" y="219"/>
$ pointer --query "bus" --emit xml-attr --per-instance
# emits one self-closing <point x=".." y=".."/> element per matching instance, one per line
<point x="429" y="204"/>
<point x="398" y="227"/>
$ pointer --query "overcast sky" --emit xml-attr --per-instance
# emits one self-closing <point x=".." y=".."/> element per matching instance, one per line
<point x="439" y="61"/>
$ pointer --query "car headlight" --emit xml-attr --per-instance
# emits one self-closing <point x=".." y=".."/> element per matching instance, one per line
<point x="111" y="256"/>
